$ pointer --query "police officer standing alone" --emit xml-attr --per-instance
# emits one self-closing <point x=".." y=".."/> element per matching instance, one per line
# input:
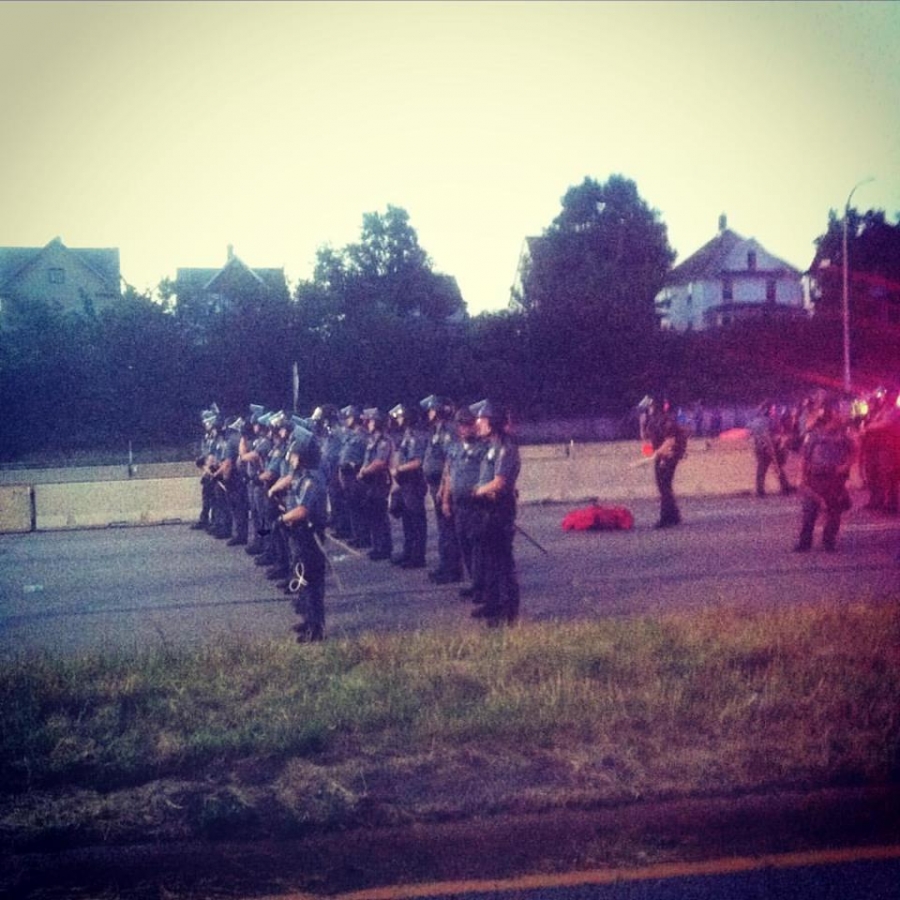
<point x="669" y="442"/>
<point x="495" y="495"/>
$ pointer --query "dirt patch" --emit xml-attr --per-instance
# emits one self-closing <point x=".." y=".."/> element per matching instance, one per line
<point x="502" y="846"/>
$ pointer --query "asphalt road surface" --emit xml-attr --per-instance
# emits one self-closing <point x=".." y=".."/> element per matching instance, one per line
<point x="779" y="878"/>
<point x="126" y="587"/>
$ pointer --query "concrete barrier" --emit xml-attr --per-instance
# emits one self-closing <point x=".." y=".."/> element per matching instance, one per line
<point x="611" y="473"/>
<point x="103" y="503"/>
<point x="16" y="508"/>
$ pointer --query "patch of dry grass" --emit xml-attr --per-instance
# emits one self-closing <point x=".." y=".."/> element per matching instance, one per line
<point x="266" y="738"/>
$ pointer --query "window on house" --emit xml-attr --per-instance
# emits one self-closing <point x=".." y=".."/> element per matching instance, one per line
<point x="56" y="276"/>
<point x="770" y="290"/>
<point x="727" y="289"/>
<point x="751" y="260"/>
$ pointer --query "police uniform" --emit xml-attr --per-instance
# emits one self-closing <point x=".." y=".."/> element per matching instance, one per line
<point x="309" y="491"/>
<point x="464" y="455"/>
<point x="769" y="447"/>
<point x="375" y="476"/>
<point x="259" y="447"/>
<point x="497" y="527"/>
<point x="220" y="509"/>
<point x="440" y="441"/>
<point x="669" y="442"/>
<point x="205" y="458"/>
<point x="235" y="481"/>
<point x="827" y="454"/>
<point x="411" y="490"/>
<point x="350" y="460"/>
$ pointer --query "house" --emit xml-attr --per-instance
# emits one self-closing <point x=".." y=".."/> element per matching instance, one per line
<point x="68" y="279"/>
<point x="729" y="279"/>
<point x="216" y="290"/>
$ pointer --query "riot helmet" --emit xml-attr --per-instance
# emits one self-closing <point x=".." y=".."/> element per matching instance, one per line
<point x="305" y="447"/>
<point x="374" y="415"/>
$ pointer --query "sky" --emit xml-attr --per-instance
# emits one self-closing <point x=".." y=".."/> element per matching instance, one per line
<point x="172" y="130"/>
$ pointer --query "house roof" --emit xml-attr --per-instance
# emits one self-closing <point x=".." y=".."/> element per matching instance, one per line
<point x="709" y="262"/>
<point x="207" y="279"/>
<point x="104" y="262"/>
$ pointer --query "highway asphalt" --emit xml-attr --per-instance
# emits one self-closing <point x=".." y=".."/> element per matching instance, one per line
<point x="69" y="591"/>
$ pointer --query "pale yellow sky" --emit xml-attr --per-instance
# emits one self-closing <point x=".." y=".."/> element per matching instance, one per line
<point x="171" y="130"/>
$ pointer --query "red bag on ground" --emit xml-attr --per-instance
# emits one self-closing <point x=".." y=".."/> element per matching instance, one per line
<point x="599" y="518"/>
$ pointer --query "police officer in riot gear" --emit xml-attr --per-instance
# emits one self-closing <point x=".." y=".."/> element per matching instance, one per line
<point x="770" y="446"/>
<point x="328" y="434"/>
<point x="375" y="477"/>
<point x="206" y="463"/>
<point x="410" y="486"/>
<point x="827" y="455"/>
<point x="441" y="438"/>
<point x="277" y="482"/>
<point x="350" y="460"/>
<point x="254" y="453"/>
<point x="464" y="455"/>
<point x="669" y="442"/>
<point x="303" y="523"/>
<point x="495" y="497"/>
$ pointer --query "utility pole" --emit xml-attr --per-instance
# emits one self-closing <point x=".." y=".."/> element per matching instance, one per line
<point x="846" y="292"/>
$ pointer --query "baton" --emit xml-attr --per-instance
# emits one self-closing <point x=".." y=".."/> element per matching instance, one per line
<point x="528" y="537"/>
<point x="342" y="545"/>
<point x="334" y="571"/>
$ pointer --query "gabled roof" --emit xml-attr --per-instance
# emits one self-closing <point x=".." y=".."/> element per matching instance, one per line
<point x="709" y="262"/>
<point x="206" y="279"/>
<point x="104" y="262"/>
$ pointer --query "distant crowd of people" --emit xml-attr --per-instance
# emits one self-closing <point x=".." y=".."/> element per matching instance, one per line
<point x="280" y="485"/>
<point x="829" y="442"/>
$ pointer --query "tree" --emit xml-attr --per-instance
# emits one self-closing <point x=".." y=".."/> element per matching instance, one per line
<point x="588" y="297"/>
<point x="388" y="270"/>
<point x="873" y="248"/>
<point x="602" y="259"/>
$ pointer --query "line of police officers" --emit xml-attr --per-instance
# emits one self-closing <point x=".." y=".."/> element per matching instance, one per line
<point x="280" y="485"/>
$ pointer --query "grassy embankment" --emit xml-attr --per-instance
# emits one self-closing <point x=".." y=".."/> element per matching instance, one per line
<point x="256" y="739"/>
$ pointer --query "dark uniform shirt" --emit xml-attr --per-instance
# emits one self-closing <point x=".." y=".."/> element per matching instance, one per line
<point x="501" y="457"/>
<point x="439" y="444"/>
<point x="464" y="466"/>
<point x="308" y="489"/>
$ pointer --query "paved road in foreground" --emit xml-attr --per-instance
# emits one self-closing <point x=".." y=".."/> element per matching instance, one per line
<point x="72" y="590"/>
<point x="865" y="874"/>
<point x="124" y="588"/>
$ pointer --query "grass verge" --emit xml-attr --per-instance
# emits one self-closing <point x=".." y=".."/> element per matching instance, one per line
<point x="263" y="739"/>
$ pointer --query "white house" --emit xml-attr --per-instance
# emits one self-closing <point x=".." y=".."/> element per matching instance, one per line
<point x="730" y="278"/>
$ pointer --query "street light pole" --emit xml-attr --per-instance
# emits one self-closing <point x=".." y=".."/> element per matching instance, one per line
<point x="846" y="292"/>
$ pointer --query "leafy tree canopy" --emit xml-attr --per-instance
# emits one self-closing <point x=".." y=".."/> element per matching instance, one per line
<point x="602" y="259"/>
<point x="873" y="249"/>
<point x="387" y="270"/>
